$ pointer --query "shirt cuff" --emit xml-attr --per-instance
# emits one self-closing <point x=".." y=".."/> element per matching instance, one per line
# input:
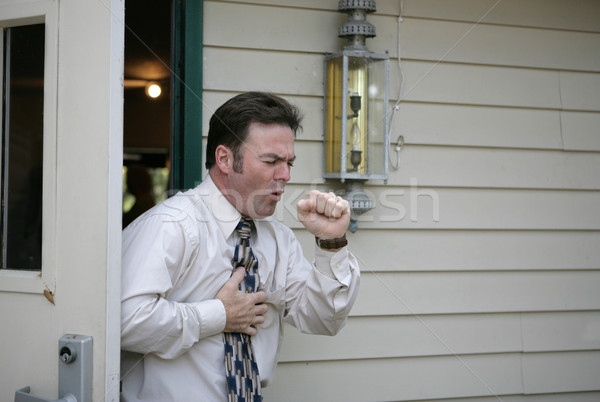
<point x="212" y="317"/>
<point x="334" y="264"/>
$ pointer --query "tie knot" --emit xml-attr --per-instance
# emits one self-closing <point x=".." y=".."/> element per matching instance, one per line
<point x="244" y="227"/>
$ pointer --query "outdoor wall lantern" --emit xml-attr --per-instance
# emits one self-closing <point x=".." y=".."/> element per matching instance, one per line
<point x="356" y="110"/>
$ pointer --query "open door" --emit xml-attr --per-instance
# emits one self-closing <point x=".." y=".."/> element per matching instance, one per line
<point x="162" y="131"/>
<point x="61" y="68"/>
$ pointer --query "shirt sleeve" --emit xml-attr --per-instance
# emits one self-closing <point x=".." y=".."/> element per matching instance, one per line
<point x="319" y="296"/>
<point x="157" y="251"/>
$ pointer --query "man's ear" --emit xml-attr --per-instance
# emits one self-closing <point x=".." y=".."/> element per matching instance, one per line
<point x="224" y="159"/>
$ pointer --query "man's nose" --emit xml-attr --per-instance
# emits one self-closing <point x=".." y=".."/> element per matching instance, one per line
<point x="283" y="172"/>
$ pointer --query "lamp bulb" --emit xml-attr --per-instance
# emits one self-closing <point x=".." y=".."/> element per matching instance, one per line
<point x="153" y="90"/>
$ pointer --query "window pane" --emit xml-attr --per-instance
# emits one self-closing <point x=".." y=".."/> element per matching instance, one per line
<point x="22" y="147"/>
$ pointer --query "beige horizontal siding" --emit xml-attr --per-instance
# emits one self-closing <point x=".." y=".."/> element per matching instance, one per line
<point x="579" y="15"/>
<point x="580" y="91"/>
<point x="475" y="167"/>
<point x="480" y="263"/>
<point x="469" y="167"/>
<point x="455" y="208"/>
<point x="466" y="125"/>
<point x="302" y="74"/>
<point x="437" y="377"/>
<point x="561" y="372"/>
<point x="481" y="85"/>
<point x="480" y="250"/>
<point x="383" y="7"/>
<point x="439" y="335"/>
<point x="460" y="125"/>
<point x="575" y="15"/>
<point x="497" y="86"/>
<point x="421" y="38"/>
<point x="241" y="70"/>
<point x="386" y="379"/>
<point x="584" y="396"/>
<point x="465" y="42"/>
<point x="387" y="336"/>
<point x="463" y="125"/>
<point x="568" y="331"/>
<point x="240" y="28"/>
<point x="386" y="293"/>
<point x="581" y="131"/>
<point x="318" y="28"/>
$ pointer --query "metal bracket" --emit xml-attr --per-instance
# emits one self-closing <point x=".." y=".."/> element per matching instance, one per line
<point x="74" y="372"/>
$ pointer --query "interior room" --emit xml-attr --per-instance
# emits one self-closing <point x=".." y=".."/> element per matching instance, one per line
<point x="147" y="105"/>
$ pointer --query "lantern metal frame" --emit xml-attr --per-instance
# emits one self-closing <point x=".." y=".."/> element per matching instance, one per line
<point x="343" y="174"/>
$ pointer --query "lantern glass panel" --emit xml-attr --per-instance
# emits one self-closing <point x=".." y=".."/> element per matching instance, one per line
<point x="355" y="115"/>
<point x="377" y="115"/>
<point x="333" y="113"/>
<point x="357" y="112"/>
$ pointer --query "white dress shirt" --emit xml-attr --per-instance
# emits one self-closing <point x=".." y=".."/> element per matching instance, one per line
<point x="176" y="257"/>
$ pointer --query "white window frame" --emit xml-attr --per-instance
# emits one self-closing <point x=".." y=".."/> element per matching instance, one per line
<point x="28" y="13"/>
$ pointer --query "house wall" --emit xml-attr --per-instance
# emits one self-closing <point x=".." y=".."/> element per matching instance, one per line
<point x="481" y="261"/>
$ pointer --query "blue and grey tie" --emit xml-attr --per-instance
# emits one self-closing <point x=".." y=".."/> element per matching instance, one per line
<point x="243" y="381"/>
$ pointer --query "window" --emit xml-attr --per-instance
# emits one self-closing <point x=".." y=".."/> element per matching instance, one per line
<point x="22" y="147"/>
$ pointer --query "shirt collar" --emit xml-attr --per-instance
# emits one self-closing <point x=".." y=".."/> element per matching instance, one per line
<point x="225" y="214"/>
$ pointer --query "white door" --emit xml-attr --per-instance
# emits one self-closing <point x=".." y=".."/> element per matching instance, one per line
<point x="61" y="189"/>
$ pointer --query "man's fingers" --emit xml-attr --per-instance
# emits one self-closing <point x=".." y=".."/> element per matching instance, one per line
<point x="259" y="297"/>
<point x="319" y="202"/>
<point x="304" y="205"/>
<point x="324" y="201"/>
<point x="327" y="204"/>
<point x="331" y="208"/>
<point x="237" y="277"/>
<point x="258" y="318"/>
<point x="341" y="207"/>
<point x="250" y="330"/>
<point x="256" y="322"/>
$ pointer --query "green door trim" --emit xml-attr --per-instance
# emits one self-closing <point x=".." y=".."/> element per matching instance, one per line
<point x="186" y="118"/>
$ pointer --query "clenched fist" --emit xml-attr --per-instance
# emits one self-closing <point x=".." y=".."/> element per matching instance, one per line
<point x="325" y="215"/>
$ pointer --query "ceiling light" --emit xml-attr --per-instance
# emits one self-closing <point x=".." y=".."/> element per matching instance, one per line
<point x="153" y="90"/>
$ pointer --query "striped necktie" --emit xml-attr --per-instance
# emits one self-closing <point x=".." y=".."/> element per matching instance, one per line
<point x="243" y="381"/>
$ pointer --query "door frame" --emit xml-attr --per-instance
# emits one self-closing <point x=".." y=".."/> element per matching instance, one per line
<point x="186" y="81"/>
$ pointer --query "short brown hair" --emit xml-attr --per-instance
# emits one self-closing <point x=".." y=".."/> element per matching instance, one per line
<point x="229" y="124"/>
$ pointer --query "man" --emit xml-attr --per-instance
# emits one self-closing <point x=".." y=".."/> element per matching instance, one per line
<point x="180" y="298"/>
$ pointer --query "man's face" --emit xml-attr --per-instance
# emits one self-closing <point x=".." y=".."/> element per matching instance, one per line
<point x="268" y="156"/>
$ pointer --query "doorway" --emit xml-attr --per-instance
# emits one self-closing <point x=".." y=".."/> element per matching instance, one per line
<point x="147" y="106"/>
<point x="163" y="135"/>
